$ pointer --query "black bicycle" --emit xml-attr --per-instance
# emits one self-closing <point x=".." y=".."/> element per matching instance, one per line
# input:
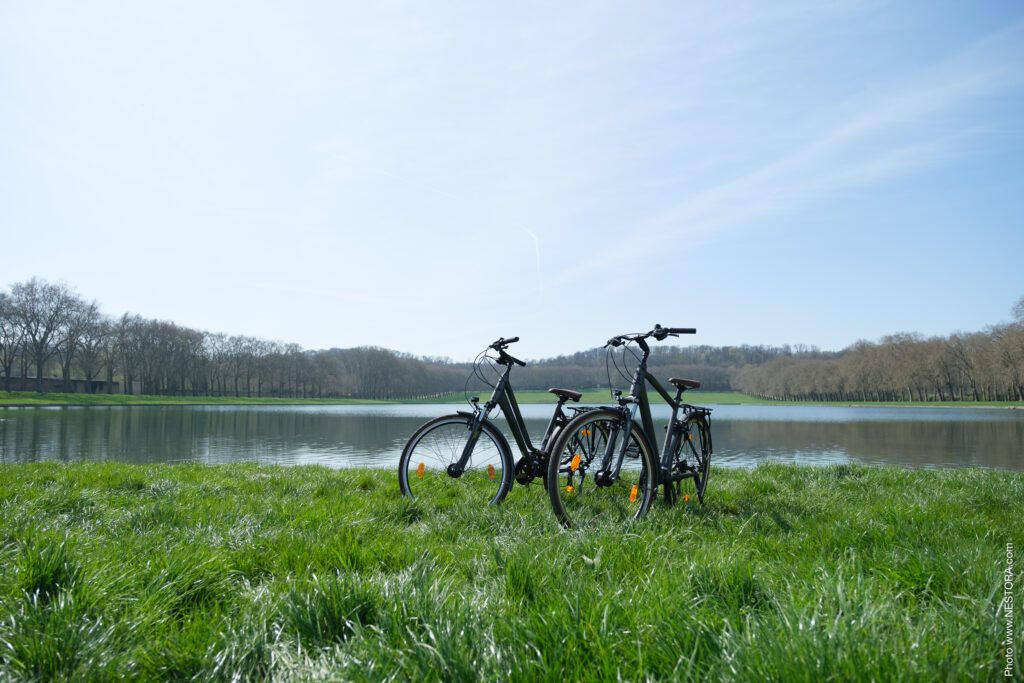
<point x="595" y="473"/>
<point x="465" y="455"/>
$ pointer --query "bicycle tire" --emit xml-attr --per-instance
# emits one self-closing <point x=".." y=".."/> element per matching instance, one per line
<point x="422" y="467"/>
<point x="576" y="498"/>
<point x="692" y="452"/>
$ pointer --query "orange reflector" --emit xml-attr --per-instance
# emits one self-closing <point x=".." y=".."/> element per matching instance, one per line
<point x="584" y="432"/>
<point x="632" y="493"/>
<point x="490" y="471"/>
<point x="575" y="464"/>
<point x="686" y="498"/>
<point x="569" y="488"/>
<point x="419" y="469"/>
<point x="689" y="436"/>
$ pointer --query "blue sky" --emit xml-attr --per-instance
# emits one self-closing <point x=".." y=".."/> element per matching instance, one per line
<point x="428" y="177"/>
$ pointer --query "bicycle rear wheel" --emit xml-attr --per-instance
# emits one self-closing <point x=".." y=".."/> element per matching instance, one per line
<point x="693" y="458"/>
<point x="581" y="493"/>
<point x="423" y="469"/>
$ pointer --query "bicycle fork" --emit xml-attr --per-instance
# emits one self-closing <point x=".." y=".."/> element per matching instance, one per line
<point x="458" y="468"/>
<point x="607" y="474"/>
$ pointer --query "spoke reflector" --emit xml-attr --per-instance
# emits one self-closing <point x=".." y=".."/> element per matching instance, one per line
<point x="632" y="493"/>
<point x="575" y="464"/>
<point x="490" y="471"/>
<point x="419" y="469"/>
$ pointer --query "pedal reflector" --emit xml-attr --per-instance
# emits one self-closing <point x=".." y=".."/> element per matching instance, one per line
<point x="575" y="463"/>
<point x="570" y="488"/>
<point x="419" y="469"/>
<point x="686" y="498"/>
<point x="490" y="471"/>
<point x="632" y="493"/>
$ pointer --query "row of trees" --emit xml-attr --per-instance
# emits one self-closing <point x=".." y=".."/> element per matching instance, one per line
<point x="979" y="366"/>
<point x="48" y="331"/>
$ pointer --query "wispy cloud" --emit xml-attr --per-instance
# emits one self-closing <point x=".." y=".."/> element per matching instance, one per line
<point x="886" y="137"/>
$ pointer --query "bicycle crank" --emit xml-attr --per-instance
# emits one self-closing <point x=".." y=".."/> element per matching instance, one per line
<point x="530" y="467"/>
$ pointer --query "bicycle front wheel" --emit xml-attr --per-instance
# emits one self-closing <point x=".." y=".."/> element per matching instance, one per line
<point x="425" y="469"/>
<point x="583" y="488"/>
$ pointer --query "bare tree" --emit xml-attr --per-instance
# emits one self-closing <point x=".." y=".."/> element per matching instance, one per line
<point x="94" y="355"/>
<point x="80" y="316"/>
<point x="11" y="336"/>
<point x="1018" y="310"/>
<point x="42" y="310"/>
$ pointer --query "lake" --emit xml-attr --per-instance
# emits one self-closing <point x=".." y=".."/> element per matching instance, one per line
<point x="373" y="435"/>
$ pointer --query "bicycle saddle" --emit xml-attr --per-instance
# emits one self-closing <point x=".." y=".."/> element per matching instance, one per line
<point x="567" y="394"/>
<point x="684" y="383"/>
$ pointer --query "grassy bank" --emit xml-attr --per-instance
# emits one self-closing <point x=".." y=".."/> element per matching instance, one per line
<point x="602" y="396"/>
<point x="32" y="398"/>
<point x="592" y="396"/>
<point x="789" y="573"/>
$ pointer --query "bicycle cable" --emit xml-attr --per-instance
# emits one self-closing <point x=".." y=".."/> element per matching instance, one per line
<point x="482" y="358"/>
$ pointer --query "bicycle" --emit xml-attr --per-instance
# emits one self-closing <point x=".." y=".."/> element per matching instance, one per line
<point x="594" y="473"/>
<point x="464" y="453"/>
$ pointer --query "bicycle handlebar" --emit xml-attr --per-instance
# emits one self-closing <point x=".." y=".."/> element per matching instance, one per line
<point x="658" y="333"/>
<point x="505" y="356"/>
<point x="503" y="343"/>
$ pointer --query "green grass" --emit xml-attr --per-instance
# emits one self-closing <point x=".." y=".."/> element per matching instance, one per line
<point x="602" y="396"/>
<point x="591" y="396"/>
<point x="242" y="572"/>
<point x="30" y="398"/>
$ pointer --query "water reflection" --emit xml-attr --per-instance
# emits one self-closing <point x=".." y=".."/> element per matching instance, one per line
<point x="374" y="435"/>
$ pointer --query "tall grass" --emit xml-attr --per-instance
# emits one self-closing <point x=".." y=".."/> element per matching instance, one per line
<point x="244" y="572"/>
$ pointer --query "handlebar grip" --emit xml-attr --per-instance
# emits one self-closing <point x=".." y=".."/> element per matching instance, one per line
<point x="502" y="343"/>
<point x="681" y="330"/>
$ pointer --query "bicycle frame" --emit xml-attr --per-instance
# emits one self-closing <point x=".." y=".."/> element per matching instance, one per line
<point x="638" y="401"/>
<point x="504" y="397"/>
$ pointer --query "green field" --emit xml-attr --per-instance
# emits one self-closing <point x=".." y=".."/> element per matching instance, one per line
<point x="604" y="396"/>
<point x="31" y="398"/>
<point x="592" y="396"/>
<point x="242" y="572"/>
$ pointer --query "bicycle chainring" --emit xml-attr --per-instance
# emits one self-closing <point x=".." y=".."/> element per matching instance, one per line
<point x="530" y="467"/>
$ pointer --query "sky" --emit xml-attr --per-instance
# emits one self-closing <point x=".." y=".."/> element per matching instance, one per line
<point x="428" y="177"/>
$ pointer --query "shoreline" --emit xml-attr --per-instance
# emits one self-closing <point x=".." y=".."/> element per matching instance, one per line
<point x="531" y="397"/>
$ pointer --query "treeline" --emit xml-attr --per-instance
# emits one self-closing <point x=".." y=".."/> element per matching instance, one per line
<point x="978" y="366"/>
<point x="714" y="366"/>
<point x="48" y="331"/>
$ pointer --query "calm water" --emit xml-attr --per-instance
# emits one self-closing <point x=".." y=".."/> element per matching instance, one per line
<point x="340" y="436"/>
